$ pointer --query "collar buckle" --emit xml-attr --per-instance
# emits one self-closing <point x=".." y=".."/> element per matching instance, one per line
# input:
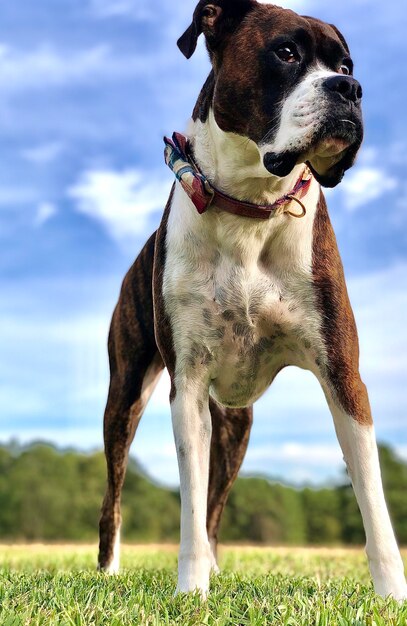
<point x="297" y="215"/>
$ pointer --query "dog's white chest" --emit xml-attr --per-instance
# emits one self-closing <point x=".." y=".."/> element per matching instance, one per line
<point x="260" y="329"/>
<point x="240" y="310"/>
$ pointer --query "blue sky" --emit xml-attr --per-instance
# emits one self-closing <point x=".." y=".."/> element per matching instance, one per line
<point x="88" y="89"/>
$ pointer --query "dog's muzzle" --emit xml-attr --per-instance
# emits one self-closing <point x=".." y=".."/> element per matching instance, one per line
<point x="337" y="137"/>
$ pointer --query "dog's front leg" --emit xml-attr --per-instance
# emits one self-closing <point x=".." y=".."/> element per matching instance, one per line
<point x="358" y="442"/>
<point x="192" y="432"/>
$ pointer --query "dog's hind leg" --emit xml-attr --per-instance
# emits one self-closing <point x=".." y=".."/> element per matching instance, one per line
<point x="230" y="437"/>
<point x="135" y="366"/>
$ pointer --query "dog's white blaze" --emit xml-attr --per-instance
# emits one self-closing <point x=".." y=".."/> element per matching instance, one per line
<point x="358" y="443"/>
<point x="301" y="114"/>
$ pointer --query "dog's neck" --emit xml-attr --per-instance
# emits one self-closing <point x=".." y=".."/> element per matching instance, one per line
<point x="234" y="165"/>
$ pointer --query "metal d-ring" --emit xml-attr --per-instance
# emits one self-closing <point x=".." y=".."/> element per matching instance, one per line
<point x="304" y="210"/>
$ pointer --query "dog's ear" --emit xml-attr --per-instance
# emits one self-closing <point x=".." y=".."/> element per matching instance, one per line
<point x="215" y="19"/>
<point x="341" y="37"/>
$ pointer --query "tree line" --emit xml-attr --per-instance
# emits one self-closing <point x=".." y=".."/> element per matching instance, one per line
<point x="48" y="494"/>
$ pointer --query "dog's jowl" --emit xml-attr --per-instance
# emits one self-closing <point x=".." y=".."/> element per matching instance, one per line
<point x="243" y="276"/>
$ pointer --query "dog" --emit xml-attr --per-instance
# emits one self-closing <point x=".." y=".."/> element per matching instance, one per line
<point x="243" y="277"/>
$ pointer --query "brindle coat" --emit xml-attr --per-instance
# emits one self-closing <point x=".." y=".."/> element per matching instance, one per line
<point x="278" y="299"/>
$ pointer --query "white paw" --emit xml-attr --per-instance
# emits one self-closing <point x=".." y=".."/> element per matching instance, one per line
<point x="393" y="585"/>
<point x="202" y="593"/>
<point x="388" y="576"/>
<point x="402" y="597"/>
<point x="397" y="592"/>
<point x="114" y="565"/>
<point x="113" y="568"/>
<point x="193" y="575"/>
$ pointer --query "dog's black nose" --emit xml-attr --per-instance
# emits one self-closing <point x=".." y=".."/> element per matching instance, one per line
<point x="347" y="86"/>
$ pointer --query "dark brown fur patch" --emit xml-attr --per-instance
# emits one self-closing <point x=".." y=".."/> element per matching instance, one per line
<point x="338" y="323"/>
<point x="228" y="315"/>
<point x="204" y="102"/>
<point x="230" y="437"/>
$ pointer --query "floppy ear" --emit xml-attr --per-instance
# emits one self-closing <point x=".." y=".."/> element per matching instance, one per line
<point x="214" y="19"/>
<point x="341" y="37"/>
<point x="188" y="41"/>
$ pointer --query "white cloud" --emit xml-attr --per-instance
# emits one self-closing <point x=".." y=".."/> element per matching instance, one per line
<point x="47" y="66"/>
<point x="45" y="211"/>
<point x="86" y="439"/>
<point x="364" y="184"/>
<point x="380" y="302"/>
<point x="122" y="201"/>
<point x="296" y="452"/>
<point x="296" y="462"/>
<point x="368" y="155"/>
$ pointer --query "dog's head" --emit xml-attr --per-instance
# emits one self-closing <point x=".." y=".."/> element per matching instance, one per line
<point x="282" y="80"/>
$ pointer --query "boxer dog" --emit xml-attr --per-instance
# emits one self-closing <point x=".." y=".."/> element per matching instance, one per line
<point x="243" y="277"/>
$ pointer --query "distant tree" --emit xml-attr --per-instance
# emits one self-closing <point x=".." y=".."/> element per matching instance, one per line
<point x="322" y="510"/>
<point x="263" y="512"/>
<point x="394" y="473"/>
<point x="49" y="497"/>
<point x="48" y="494"/>
<point x="150" y="512"/>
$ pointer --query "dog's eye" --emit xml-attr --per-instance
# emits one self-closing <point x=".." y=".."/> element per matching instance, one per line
<point x="288" y="54"/>
<point x="346" y="68"/>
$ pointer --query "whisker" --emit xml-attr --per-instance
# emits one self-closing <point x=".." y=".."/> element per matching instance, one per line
<point x="348" y="122"/>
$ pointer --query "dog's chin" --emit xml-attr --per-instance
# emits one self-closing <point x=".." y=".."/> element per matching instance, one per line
<point x="322" y="159"/>
<point x="331" y="151"/>
<point x="329" y="159"/>
<point x="334" y="150"/>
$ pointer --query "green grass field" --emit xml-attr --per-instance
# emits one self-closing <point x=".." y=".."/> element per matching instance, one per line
<point x="58" y="585"/>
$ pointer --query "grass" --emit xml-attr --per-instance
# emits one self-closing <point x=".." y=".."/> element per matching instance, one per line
<point x="58" y="585"/>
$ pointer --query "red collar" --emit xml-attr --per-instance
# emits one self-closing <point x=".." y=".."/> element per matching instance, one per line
<point x="179" y="158"/>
